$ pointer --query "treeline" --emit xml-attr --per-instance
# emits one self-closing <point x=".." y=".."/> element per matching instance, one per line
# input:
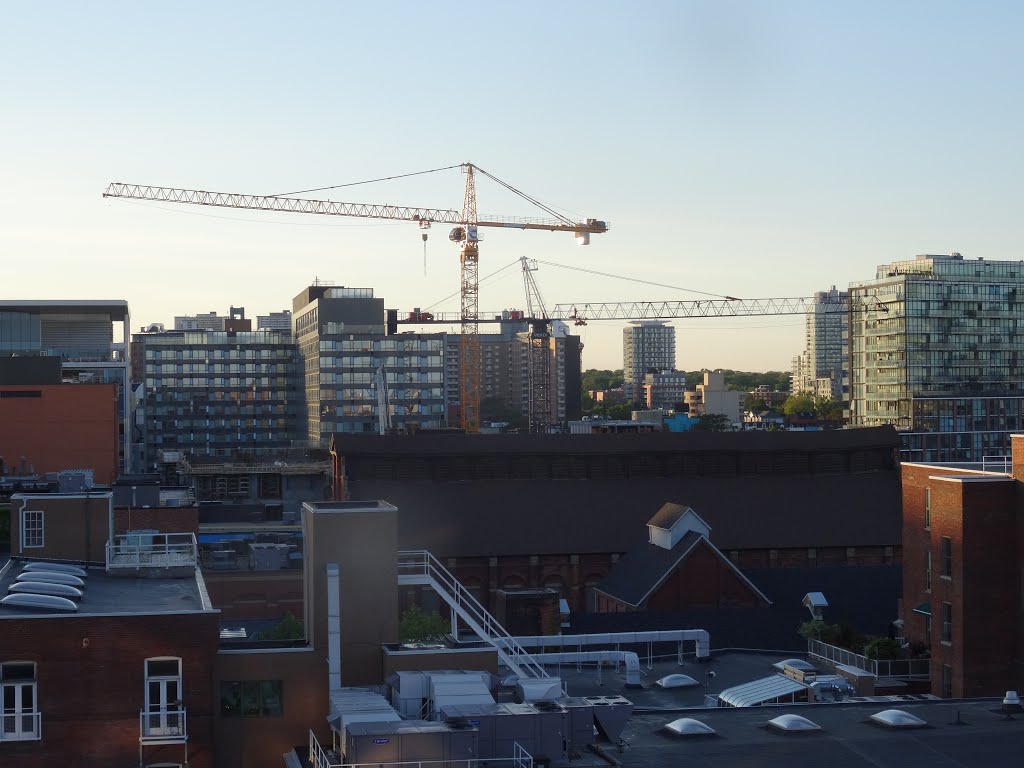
<point x="742" y="381"/>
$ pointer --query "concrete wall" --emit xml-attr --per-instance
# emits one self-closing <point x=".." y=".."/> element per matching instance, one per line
<point x="362" y="540"/>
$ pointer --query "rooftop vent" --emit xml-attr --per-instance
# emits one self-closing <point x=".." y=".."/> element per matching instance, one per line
<point x="46" y="588"/>
<point x="688" y="726"/>
<point x="51" y="577"/>
<point x="676" y="681"/>
<point x="74" y="570"/>
<point x="793" y="724"/>
<point x="898" y="718"/>
<point x="46" y="602"/>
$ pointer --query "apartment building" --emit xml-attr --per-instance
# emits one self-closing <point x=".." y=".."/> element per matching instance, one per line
<point x="218" y="393"/>
<point x="822" y="369"/>
<point x="646" y="345"/>
<point x="937" y="350"/>
<point x="357" y="378"/>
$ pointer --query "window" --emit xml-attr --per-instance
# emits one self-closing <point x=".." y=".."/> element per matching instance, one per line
<point x="20" y="720"/>
<point x="927" y="508"/>
<point x="251" y="698"/>
<point x="164" y="711"/>
<point x="947" y="557"/>
<point x="31" y="529"/>
<point x="947" y="681"/>
<point x="928" y="571"/>
<point x="947" y="622"/>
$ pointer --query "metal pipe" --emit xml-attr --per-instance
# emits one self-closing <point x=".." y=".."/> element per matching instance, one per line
<point x="333" y="627"/>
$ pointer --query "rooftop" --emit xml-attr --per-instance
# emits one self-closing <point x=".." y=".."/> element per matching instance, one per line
<point x="116" y="308"/>
<point x="982" y="737"/>
<point x="105" y="594"/>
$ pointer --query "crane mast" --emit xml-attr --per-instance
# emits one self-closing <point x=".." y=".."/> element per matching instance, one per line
<point x="466" y="234"/>
<point x="469" y="342"/>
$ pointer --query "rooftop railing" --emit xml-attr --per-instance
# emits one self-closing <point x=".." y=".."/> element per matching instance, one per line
<point x="152" y="550"/>
<point x="21" y="726"/>
<point x="900" y="669"/>
<point x="163" y="726"/>
<point x="325" y="758"/>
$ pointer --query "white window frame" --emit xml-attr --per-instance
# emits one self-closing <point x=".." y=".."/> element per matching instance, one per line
<point x="13" y="721"/>
<point x="163" y="716"/>
<point x="26" y="528"/>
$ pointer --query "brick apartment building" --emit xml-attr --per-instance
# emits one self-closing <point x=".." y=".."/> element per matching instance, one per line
<point x="963" y="568"/>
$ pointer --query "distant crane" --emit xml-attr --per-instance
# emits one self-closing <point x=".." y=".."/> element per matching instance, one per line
<point x="465" y="233"/>
<point x="538" y="352"/>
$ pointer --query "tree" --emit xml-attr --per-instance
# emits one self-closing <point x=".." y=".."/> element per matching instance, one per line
<point x="799" y="403"/>
<point x="496" y="409"/>
<point x="416" y="625"/>
<point x="712" y="422"/>
<point x="288" y="628"/>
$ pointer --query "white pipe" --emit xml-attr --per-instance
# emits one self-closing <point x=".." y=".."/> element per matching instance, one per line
<point x="630" y="659"/>
<point x="333" y="627"/>
<point x="21" y="527"/>
<point x="699" y="636"/>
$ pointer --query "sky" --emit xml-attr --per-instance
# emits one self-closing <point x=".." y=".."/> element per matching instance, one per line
<point x="749" y="149"/>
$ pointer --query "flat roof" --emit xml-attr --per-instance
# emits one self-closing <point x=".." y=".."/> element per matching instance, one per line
<point x="105" y="594"/>
<point x="995" y="478"/>
<point x="116" y="308"/>
<point x="322" y="507"/>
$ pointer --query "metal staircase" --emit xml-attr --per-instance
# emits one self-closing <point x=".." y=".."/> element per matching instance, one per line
<point x="419" y="567"/>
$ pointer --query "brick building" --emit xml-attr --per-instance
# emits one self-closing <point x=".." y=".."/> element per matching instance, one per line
<point x="963" y="555"/>
<point x="53" y="427"/>
<point x="558" y="511"/>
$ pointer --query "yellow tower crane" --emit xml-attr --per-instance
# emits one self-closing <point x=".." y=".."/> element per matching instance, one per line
<point x="464" y="233"/>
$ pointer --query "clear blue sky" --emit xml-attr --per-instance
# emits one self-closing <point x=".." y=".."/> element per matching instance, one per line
<point x="750" y="149"/>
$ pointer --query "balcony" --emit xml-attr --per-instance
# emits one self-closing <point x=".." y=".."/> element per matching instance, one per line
<point x="163" y="726"/>
<point x="21" y="726"/>
<point x="135" y="551"/>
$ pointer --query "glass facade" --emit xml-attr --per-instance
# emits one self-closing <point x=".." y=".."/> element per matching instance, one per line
<point x="937" y="349"/>
<point x="219" y="393"/>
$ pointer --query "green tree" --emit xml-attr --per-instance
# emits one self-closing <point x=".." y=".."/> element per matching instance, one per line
<point x="883" y="648"/>
<point x="288" y="628"/>
<point x="416" y="625"/>
<point x="496" y="409"/>
<point x="712" y="422"/>
<point x="799" y="403"/>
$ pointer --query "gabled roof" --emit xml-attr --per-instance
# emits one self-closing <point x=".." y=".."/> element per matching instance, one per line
<point x="667" y="516"/>
<point x="642" y="570"/>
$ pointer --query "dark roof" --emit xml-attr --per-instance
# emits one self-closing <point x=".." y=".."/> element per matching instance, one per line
<point x="635" y="576"/>
<point x="667" y="516"/>
<point x="434" y="444"/>
<point x="516" y="517"/>
<point x="863" y="596"/>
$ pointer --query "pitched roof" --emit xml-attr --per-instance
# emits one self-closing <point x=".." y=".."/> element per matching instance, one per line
<point x="667" y="516"/>
<point x="641" y="571"/>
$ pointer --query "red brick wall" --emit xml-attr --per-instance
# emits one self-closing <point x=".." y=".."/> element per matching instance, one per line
<point x="163" y="519"/>
<point x="984" y="588"/>
<point x="702" y="580"/>
<point x="91" y="686"/>
<point x="71" y="426"/>
<point x="255" y="594"/>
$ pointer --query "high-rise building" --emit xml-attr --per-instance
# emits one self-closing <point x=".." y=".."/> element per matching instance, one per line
<point x="83" y="335"/>
<point x="937" y="349"/>
<point x="275" y="321"/>
<point x="664" y="390"/>
<point x="504" y="374"/>
<point x="822" y="369"/>
<point x="211" y="321"/>
<point x="218" y="393"/>
<point x="646" y="345"/>
<point x="352" y="366"/>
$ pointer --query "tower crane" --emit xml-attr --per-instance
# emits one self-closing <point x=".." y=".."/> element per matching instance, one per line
<point x="465" y="233"/>
<point x="538" y="351"/>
